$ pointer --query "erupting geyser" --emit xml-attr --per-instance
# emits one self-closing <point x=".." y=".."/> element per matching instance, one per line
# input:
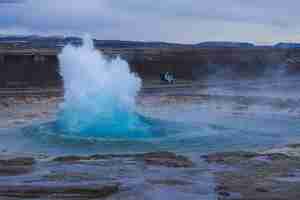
<point x="99" y="99"/>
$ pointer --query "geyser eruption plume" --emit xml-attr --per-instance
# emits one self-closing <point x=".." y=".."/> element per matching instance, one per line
<point x="99" y="99"/>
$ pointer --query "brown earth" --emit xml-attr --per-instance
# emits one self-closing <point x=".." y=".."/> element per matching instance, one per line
<point x="39" y="67"/>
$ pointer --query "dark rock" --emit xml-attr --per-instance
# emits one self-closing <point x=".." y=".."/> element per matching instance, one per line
<point x="16" y="165"/>
<point x="166" y="159"/>
<point x="4" y="104"/>
<point x="110" y="156"/>
<point x="70" y="176"/>
<point x="17" y="161"/>
<point x="293" y="146"/>
<point x="229" y="157"/>
<point x="71" y="158"/>
<point x="58" y="191"/>
<point x="170" y="182"/>
<point x="225" y="194"/>
<point x="276" y="156"/>
<point x="291" y="175"/>
<point x="261" y="190"/>
<point x="221" y="188"/>
<point x="75" y="158"/>
<point x="239" y="156"/>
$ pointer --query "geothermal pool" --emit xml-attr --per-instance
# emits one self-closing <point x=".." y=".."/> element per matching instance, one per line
<point x="183" y="127"/>
<point x="105" y="109"/>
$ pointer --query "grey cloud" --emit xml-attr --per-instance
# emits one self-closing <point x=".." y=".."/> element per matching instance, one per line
<point x="170" y="20"/>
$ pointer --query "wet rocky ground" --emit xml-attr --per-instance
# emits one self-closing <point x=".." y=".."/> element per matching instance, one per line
<point x="79" y="177"/>
<point x="273" y="174"/>
<point x="257" y="175"/>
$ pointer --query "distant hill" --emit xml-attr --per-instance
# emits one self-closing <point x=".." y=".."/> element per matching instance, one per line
<point x="57" y="42"/>
<point x="135" y="44"/>
<point x="226" y="44"/>
<point x="287" y="45"/>
<point x="34" y="41"/>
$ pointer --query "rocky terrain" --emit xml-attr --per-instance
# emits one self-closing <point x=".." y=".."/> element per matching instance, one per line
<point x="43" y="177"/>
<point x="240" y="175"/>
<point x="273" y="174"/>
<point x="32" y="61"/>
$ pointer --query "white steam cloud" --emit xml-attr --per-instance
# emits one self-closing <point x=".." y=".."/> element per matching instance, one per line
<point x="99" y="98"/>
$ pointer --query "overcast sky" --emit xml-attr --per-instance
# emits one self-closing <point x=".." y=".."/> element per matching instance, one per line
<point x="184" y="21"/>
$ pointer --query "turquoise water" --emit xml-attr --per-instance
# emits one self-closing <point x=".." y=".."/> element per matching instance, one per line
<point x="194" y="130"/>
